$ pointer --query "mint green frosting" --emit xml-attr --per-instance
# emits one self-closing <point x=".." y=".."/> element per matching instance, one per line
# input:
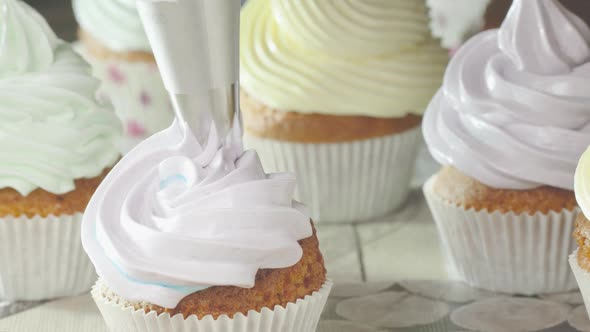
<point x="52" y="130"/>
<point x="115" y="23"/>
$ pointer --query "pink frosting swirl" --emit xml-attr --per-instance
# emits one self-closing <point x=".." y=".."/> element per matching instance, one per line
<point x="174" y="217"/>
<point x="514" y="109"/>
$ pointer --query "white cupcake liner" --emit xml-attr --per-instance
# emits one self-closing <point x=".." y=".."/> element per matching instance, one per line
<point x="583" y="279"/>
<point x="137" y="94"/>
<point x="345" y="182"/>
<point x="505" y="252"/>
<point x="302" y="316"/>
<point x="43" y="258"/>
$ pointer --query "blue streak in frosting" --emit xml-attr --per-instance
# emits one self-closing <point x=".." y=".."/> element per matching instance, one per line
<point x="181" y="289"/>
<point x="171" y="179"/>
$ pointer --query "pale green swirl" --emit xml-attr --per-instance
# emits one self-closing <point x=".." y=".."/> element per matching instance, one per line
<point x="52" y="131"/>
<point x="26" y="41"/>
<point x="343" y="57"/>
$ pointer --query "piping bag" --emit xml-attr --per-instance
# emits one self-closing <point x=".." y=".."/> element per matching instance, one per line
<point x="196" y="46"/>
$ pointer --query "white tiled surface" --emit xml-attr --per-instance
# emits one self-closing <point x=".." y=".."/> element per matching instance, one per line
<point x="66" y="315"/>
<point x="341" y="252"/>
<point x="404" y="249"/>
<point x="401" y="246"/>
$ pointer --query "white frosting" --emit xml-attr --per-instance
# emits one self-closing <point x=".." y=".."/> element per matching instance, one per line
<point x="52" y="131"/>
<point x="174" y="217"/>
<point x="115" y="23"/>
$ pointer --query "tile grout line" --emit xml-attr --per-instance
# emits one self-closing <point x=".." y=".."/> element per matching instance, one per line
<point x="359" y="251"/>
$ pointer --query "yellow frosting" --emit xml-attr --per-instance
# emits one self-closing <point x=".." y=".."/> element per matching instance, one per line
<point x="582" y="183"/>
<point x="363" y="57"/>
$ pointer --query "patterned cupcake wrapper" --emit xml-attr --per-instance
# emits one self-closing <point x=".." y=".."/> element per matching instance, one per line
<point x="43" y="258"/>
<point x="137" y="94"/>
<point x="345" y="182"/>
<point x="583" y="279"/>
<point x="505" y="252"/>
<point x="302" y="316"/>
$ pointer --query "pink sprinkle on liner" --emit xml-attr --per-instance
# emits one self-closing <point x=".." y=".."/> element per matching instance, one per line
<point x="116" y="75"/>
<point x="145" y="99"/>
<point x="134" y="129"/>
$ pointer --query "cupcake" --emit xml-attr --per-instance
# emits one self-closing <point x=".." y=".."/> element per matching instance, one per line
<point x="191" y="237"/>
<point x="334" y="91"/>
<point x="113" y="40"/>
<point x="508" y="125"/>
<point x="56" y="145"/>
<point x="580" y="259"/>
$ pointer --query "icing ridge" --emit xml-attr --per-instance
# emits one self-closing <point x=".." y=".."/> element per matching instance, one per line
<point x="174" y="217"/>
<point x="52" y="131"/>
<point x="512" y="111"/>
<point x="308" y="56"/>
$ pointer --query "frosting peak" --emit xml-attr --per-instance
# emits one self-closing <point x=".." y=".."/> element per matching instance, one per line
<point x="27" y="42"/>
<point x="52" y="131"/>
<point x="563" y="42"/>
<point x="174" y="217"/>
<point x="513" y="112"/>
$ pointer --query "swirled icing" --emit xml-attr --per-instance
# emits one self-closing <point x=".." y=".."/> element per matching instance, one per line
<point x="514" y="110"/>
<point x="52" y="131"/>
<point x="366" y="57"/>
<point x="174" y="217"/>
<point x="582" y="183"/>
<point x="115" y="23"/>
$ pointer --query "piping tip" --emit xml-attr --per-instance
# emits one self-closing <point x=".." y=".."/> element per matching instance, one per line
<point x="196" y="46"/>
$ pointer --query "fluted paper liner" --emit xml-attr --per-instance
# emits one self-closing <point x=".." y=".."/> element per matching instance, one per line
<point x="349" y="181"/>
<point x="583" y="279"/>
<point x="302" y="316"/>
<point x="505" y="252"/>
<point x="43" y="258"/>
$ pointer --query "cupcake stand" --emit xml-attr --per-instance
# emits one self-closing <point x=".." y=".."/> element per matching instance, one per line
<point x="389" y="276"/>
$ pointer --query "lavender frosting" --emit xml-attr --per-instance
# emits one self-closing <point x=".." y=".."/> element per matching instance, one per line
<point x="174" y="217"/>
<point x="514" y="109"/>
